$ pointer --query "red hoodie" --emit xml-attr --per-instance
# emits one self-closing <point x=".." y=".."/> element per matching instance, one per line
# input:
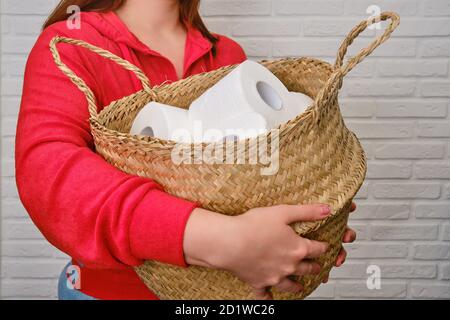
<point x="106" y="220"/>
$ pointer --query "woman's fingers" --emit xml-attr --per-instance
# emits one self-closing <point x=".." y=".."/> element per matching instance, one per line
<point x="306" y="267"/>
<point x="349" y="235"/>
<point x="341" y="258"/>
<point x="307" y="212"/>
<point x="262" y="294"/>
<point x="288" y="285"/>
<point x="306" y="249"/>
<point x="312" y="248"/>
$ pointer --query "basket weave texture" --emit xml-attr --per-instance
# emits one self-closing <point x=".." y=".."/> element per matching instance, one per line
<point x="320" y="160"/>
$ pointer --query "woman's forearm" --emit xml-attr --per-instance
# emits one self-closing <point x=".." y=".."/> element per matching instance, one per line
<point x="205" y="236"/>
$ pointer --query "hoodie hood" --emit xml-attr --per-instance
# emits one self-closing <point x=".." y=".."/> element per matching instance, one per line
<point x="109" y="25"/>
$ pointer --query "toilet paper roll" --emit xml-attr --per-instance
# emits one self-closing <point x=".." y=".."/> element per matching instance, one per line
<point x="250" y="87"/>
<point x="162" y="121"/>
<point x="237" y="127"/>
<point x="300" y="102"/>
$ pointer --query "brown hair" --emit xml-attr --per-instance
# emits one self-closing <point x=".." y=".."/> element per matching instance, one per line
<point x="189" y="12"/>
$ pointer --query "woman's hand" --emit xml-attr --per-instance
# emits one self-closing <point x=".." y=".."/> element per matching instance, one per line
<point x="349" y="237"/>
<point x="259" y="246"/>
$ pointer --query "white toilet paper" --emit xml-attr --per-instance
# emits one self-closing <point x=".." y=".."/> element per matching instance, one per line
<point x="300" y="101"/>
<point x="247" y="102"/>
<point x="237" y="127"/>
<point x="162" y="121"/>
<point x="249" y="88"/>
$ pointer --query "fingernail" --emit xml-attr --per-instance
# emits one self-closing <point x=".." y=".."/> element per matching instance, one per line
<point x="325" y="210"/>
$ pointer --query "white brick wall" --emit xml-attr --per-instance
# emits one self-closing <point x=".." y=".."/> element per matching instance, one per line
<point x="397" y="101"/>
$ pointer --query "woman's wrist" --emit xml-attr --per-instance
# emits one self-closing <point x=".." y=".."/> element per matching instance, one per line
<point x="206" y="237"/>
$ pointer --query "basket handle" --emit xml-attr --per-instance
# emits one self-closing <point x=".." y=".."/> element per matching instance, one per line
<point x="334" y="83"/>
<point x="395" y="21"/>
<point x="103" y="53"/>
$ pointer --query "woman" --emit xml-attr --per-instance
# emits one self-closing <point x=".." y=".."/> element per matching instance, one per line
<point x="109" y="221"/>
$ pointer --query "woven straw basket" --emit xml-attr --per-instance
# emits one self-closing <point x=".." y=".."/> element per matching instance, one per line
<point x="320" y="160"/>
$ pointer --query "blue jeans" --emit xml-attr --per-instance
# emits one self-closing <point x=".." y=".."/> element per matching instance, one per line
<point x="66" y="293"/>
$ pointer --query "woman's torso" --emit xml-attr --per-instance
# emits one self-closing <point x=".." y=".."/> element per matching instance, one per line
<point x="110" y="82"/>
